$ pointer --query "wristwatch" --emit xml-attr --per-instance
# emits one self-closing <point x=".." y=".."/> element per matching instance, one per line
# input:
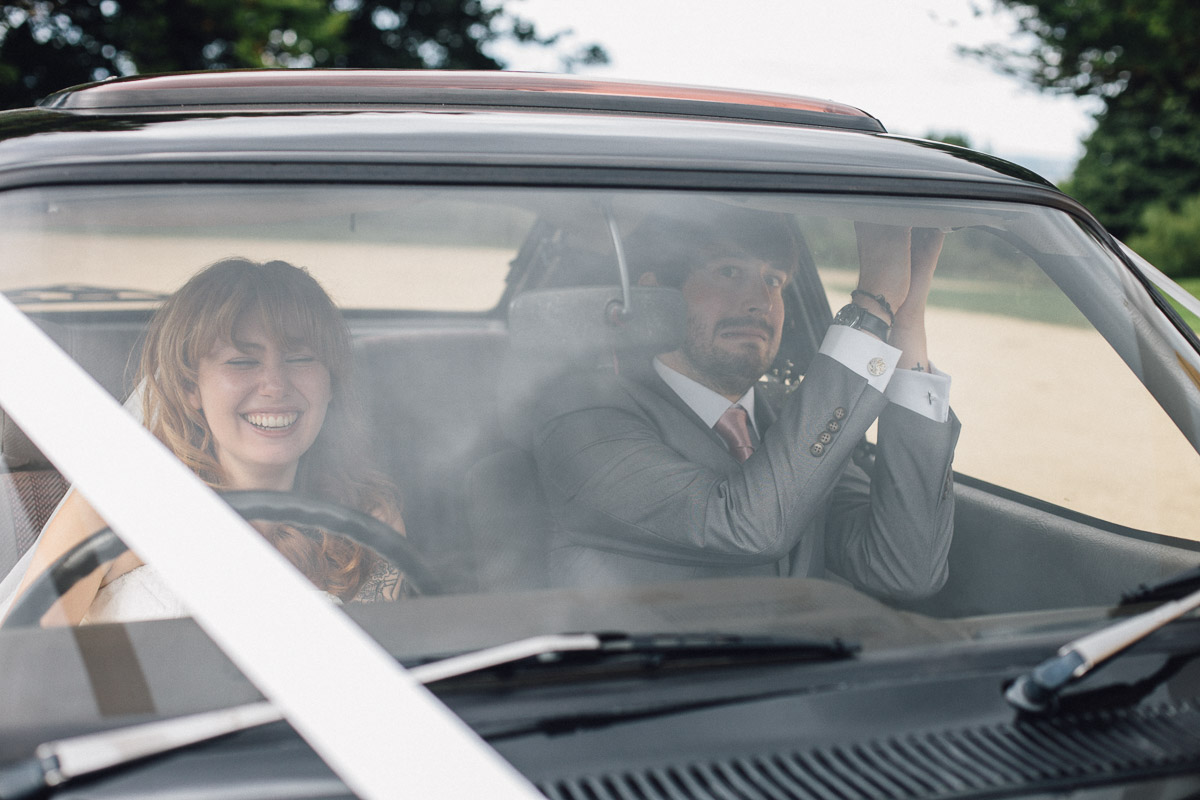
<point x="858" y="317"/>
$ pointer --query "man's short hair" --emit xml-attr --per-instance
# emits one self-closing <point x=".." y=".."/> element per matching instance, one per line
<point x="691" y="234"/>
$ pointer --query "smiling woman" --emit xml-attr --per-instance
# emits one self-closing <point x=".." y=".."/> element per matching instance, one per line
<point x="245" y="377"/>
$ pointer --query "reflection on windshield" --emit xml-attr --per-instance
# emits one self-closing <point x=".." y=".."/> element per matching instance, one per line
<point x="790" y="395"/>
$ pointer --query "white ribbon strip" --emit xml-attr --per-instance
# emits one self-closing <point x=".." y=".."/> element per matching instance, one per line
<point x="376" y="727"/>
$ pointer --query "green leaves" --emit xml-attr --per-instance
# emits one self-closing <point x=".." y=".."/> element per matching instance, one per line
<point x="1142" y="59"/>
<point x="46" y="45"/>
<point x="1171" y="240"/>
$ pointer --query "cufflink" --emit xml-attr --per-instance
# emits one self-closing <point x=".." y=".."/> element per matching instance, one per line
<point x="876" y="366"/>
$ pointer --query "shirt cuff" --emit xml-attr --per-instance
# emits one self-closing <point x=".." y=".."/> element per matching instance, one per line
<point x="926" y="393"/>
<point x="862" y="354"/>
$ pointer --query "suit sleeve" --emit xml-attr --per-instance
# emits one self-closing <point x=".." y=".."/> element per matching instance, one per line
<point x="621" y="473"/>
<point x="890" y="533"/>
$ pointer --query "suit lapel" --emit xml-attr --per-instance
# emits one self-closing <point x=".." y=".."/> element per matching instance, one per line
<point x="764" y="415"/>
<point x="651" y="380"/>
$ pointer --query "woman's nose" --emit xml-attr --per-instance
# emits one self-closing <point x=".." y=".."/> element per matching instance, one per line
<point x="274" y="380"/>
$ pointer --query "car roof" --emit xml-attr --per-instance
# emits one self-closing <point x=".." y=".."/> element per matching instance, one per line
<point x="468" y="119"/>
<point x="357" y="89"/>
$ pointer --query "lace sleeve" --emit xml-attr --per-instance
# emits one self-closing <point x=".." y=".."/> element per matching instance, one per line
<point x="384" y="582"/>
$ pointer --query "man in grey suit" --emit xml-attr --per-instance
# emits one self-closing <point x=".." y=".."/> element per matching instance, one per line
<point x="680" y="469"/>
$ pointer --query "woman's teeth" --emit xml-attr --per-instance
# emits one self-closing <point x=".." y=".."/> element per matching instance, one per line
<point x="271" y="421"/>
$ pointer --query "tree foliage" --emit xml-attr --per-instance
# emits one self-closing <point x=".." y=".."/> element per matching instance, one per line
<point x="1171" y="240"/>
<point x="46" y="45"/>
<point x="1142" y="152"/>
<point x="1103" y="47"/>
<point x="1142" y="59"/>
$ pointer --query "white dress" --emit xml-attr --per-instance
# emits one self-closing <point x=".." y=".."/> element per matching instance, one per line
<point x="137" y="595"/>
<point x="142" y="594"/>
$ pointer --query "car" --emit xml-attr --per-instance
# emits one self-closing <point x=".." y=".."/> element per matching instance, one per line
<point x="477" y="232"/>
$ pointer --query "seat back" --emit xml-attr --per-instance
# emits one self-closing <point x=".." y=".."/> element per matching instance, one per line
<point x="551" y="332"/>
<point x="509" y="522"/>
<point x="28" y="497"/>
<point x="430" y="398"/>
<point x="30" y="486"/>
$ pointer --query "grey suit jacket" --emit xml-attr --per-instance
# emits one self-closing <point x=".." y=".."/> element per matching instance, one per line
<point x="642" y="491"/>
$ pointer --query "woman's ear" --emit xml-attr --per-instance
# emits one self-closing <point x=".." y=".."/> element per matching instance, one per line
<point x="193" y="397"/>
<point x="648" y="279"/>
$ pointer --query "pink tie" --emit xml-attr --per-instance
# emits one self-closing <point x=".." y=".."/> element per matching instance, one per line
<point x="733" y="428"/>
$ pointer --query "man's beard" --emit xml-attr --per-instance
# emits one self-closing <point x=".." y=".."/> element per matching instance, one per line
<point x="728" y="371"/>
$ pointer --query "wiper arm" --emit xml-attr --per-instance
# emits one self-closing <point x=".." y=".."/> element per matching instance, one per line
<point x="54" y="763"/>
<point x="1036" y="690"/>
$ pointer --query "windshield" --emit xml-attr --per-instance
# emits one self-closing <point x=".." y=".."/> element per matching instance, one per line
<point x="520" y="396"/>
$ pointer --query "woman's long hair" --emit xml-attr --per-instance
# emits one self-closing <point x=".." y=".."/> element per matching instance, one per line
<point x="293" y="308"/>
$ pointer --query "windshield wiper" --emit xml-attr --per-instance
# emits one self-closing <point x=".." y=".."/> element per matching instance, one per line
<point x="1037" y="690"/>
<point x="54" y="763"/>
<point x="1172" y="588"/>
<point x="80" y="293"/>
<point x="649" y="649"/>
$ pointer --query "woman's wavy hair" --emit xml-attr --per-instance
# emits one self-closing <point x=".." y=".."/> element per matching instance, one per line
<point x="293" y="308"/>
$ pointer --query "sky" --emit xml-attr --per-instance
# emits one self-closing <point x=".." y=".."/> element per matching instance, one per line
<point x="895" y="59"/>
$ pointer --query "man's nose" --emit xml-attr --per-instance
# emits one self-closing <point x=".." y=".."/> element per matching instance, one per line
<point x="757" y="296"/>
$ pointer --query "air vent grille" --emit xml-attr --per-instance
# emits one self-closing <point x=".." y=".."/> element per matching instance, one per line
<point x="1039" y="755"/>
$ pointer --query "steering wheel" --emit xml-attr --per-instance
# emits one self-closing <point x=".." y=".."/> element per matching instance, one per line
<point x="104" y="545"/>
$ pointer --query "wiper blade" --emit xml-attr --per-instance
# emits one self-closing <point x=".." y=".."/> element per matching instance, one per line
<point x="55" y="763"/>
<point x="652" y="648"/>
<point x="1037" y="690"/>
<point x="1172" y="588"/>
<point x="80" y="293"/>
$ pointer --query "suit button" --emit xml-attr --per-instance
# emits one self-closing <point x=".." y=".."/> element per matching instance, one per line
<point x="839" y="413"/>
<point x="834" y="426"/>
<point x="825" y="438"/>
<point x="817" y="449"/>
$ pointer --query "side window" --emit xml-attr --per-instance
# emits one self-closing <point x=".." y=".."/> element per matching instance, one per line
<point x="1047" y="406"/>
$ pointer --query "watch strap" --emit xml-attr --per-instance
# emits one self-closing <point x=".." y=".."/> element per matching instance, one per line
<point x="855" y="316"/>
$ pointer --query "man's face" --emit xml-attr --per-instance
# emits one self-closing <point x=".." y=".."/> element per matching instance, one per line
<point x="734" y="322"/>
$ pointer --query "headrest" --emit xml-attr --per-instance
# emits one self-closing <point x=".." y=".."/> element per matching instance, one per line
<point x="106" y="358"/>
<point x="16" y="451"/>
<point x="582" y="322"/>
<point x="557" y="331"/>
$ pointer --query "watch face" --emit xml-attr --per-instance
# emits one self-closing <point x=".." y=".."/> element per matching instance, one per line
<point x="858" y="317"/>
<point x="849" y="315"/>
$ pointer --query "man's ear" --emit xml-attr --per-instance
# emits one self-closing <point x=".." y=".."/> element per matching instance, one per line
<point x="648" y="279"/>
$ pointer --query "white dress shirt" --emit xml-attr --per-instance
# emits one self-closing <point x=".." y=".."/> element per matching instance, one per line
<point x="924" y="393"/>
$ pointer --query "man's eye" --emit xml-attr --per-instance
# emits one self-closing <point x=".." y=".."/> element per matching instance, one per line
<point x="727" y="271"/>
<point x="301" y="359"/>
<point x="775" y="281"/>
<point x="241" y="362"/>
